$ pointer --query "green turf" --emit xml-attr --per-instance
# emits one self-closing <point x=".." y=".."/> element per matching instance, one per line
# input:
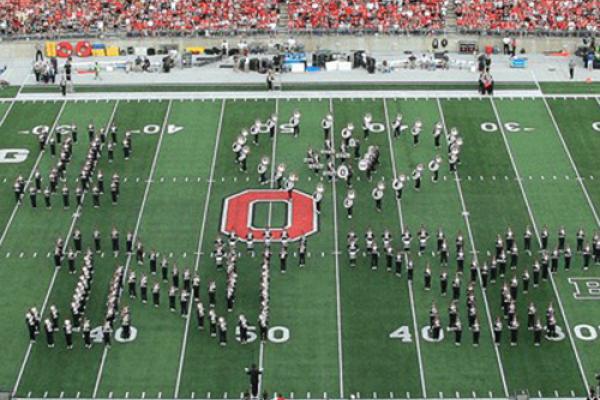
<point x="319" y="360"/>
<point x="570" y="87"/>
<point x="292" y="86"/>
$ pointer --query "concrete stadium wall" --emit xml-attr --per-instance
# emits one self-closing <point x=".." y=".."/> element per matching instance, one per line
<point x="371" y="43"/>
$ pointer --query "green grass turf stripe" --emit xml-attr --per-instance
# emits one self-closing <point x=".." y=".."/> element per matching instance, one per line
<point x="312" y="86"/>
<point x="438" y="205"/>
<point x="570" y="87"/>
<point x="9" y="92"/>
<point x="129" y="116"/>
<point x="171" y="224"/>
<point x="582" y="140"/>
<point x="374" y="304"/>
<point x="305" y="300"/>
<point x="208" y="366"/>
<point x="494" y="205"/>
<point x="568" y="205"/>
<point x="27" y="286"/>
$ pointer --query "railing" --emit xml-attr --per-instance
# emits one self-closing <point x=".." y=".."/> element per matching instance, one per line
<point x="122" y="34"/>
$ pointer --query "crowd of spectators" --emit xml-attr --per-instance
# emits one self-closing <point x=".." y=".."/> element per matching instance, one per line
<point x="190" y="16"/>
<point x="140" y="16"/>
<point x="374" y="15"/>
<point x="529" y="15"/>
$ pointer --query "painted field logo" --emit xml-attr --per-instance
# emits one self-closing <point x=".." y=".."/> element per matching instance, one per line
<point x="238" y="210"/>
<point x="586" y="288"/>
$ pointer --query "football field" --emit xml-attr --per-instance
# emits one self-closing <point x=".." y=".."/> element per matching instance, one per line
<point x="335" y="330"/>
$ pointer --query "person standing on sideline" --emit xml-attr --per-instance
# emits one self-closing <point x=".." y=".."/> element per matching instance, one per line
<point x="97" y="71"/>
<point x="572" y="69"/>
<point x="63" y="85"/>
<point x="254" y="373"/>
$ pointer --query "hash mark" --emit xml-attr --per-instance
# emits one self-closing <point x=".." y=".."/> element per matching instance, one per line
<point x="28" y="394"/>
<point x="208" y="395"/>
<point x="441" y="395"/>
<point x="539" y="393"/>
<point x="490" y="394"/>
<point x="45" y="394"/>
<point x="143" y="395"/>
<point x="126" y="395"/>
<point x="110" y="395"/>
<point x="8" y="254"/>
<point x="567" y="177"/>
<point x="556" y="393"/>
<point x="457" y="395"/>
<point x="225" y="395"/>
<point x="159" y="395"/>
<point x="77" y="395"/>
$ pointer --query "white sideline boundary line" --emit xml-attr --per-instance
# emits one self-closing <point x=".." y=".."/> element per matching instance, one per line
<point x="76" y="216"/>
<point x="465" y="214"/>
<point x="295" y="398"/>
<point x="337" y="267"/>
<point x="30" y="177"/>
<point x="537" y="234"/>
<point x="199" y="249"/>
<point x="410" y="285"/>
<point x="406" y="94"/>
<point x="137" y="227"/>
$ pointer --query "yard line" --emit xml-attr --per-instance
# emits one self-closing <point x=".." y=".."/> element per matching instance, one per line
<point x="537" y="235"/>
<point x="261" y="348"/>
<point x="410" y="285"/>
<point x="465" y="214"/>
<point x="35" y="166"/>
<point x="337" y="266"/>
<point x="571" y="160"/>
<point x="199" y="248"/>
<point x="135" y="231"/>
<point x="76" y="216"/>
<point x="8" y="110"/>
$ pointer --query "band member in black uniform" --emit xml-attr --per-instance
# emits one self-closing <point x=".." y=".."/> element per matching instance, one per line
<point x="49" y="329"/>
<point x="254" y="373"/>
<point x="200" y="316"/>
<point x="68" y="330"/>
<point x="156" y="294"/>
<point x="172" y="298"/>
<point x="497" y="331"/>
<point x="86" y="332"/>
<point x="222" y="331"/>
<point x="144" y="288"/>
<point x="47" y="198"/>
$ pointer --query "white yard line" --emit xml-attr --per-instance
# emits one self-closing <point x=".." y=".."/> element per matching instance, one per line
<point x="199" y="249"/>
<point x="137" y="227"/>
<point x="410" y="285"/>
<point x="535" y="228"/>
<point x="76" y="216"/>
<point x="35" y="166"/>
<point x="23" y="84"/>
<point x="337" y="267"/>
<point x="573" y="165"/>
<point x="465" y="214"/>
<point x="261" y="348"/>
<point x="8" y="110"/>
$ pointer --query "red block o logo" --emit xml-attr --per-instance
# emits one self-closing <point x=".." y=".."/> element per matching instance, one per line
<point x="238" y="209"/>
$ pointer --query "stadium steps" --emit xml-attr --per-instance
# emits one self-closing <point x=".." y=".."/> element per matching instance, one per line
<point x="283" y="15"/>
<point x="451" y="16"/>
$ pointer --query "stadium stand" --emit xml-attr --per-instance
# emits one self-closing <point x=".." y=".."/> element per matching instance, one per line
<point x="28" y="16"/>
<point x="528" y="15"/>
<point x="189" y="16"/>
<point x="374" y="15"/>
